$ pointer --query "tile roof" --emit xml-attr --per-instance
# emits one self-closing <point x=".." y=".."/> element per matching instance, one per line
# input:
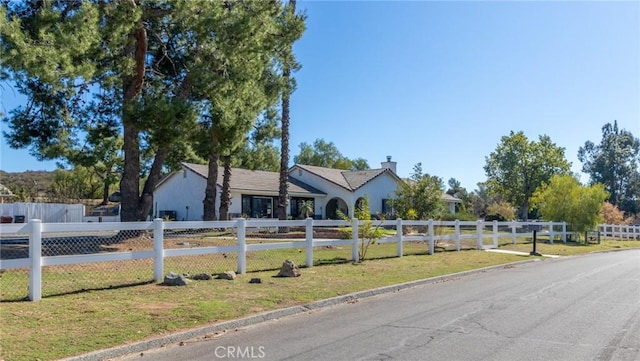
<point x="350" y="180"/>
<point x="255" y="180"/>
<point x="449" y="198"/>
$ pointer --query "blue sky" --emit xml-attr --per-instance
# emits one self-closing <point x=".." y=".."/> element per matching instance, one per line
<point x="441" y="82"/>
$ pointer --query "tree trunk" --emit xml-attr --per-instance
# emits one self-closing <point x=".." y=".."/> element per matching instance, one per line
<point x="283" y="193"/>
<point x="525" y="210"/>
<point x="105" y="191"/>
<point x="146" y="199"/>
<point x="284" y="152"/>
<point x="225" y="199"/>
<point x="130" y="182"/>
<point x="211" y="190"/>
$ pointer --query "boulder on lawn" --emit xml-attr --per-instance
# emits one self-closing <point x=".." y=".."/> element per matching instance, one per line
<point x="201" y="277"/>
<point x="227" y="275"/>
<point x="174" y="279"/>
<point x="289" y="269"/>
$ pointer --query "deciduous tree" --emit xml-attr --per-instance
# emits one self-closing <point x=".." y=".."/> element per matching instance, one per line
<point x="323" y="154"/>
<point x="420" y="197"/>
<point x="563" y="198"/>
<point x="518" y="166"/>
<point x="613" y="215"/>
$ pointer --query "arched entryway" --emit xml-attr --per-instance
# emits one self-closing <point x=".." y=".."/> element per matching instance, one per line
<point x="333" y="206"/>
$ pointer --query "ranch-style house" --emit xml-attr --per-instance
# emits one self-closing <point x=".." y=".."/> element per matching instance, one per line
<point x="254" y="194"/>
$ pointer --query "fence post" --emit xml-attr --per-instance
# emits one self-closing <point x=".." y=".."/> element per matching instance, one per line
<point x="495" y="233"/>
<point x="399" y="235"/>
<point x="514" y="224"/>
<point x="564" y="232"/>
<point x="309" y="236"/>
<point x="431" y="237"/>
<point x="551" y="235"/>
<point x="479" y="226"/>
<point x="35" y="253"/>
<point x="354" y="236"/>
<point x="242" y="245"/>
<point x="158" y="249"/>
<point x="457" y="234"/>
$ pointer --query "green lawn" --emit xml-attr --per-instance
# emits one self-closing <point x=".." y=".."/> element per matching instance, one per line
<point x="69" y="321"/>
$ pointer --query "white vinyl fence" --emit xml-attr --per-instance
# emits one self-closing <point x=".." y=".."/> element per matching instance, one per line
<point x="46" y="212"/>
<point x="621" y="232"/>
<point x="141" y="252"/>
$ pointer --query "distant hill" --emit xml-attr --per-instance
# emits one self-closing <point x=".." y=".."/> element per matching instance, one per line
<point x="34" y="182"/>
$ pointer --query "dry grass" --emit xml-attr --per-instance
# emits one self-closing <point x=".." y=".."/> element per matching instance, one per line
<point x="72" y="323"/>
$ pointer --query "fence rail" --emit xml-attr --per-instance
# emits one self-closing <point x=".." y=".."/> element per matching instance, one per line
<point x="157" y="246"/>
<point x="618" y="231"/>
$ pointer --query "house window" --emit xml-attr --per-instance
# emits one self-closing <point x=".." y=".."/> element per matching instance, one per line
<point x="387" y="208"/>
<point x="296" y="207"/>
<point x="257" y="206"/>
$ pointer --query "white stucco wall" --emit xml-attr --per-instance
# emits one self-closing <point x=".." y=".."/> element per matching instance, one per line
<point x="179" y="192"/>
<point x="332" y="190"/>
<point x="382" y="187"/>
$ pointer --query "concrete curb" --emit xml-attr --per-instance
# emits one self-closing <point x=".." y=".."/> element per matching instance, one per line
<point x="182" y="336"/>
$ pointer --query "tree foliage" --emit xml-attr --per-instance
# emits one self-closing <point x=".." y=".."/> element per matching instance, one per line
<point x="420" y="197"/>
<point x="75" y="186"/>
<point x="458" y="191"/>
<point x="615" y="162"/>
<point x="563" y="198"/>
<point x="306" y="208"/>
<point x="368" y="233"/>
<point x="171" y="77"/>
<point x="500" y="211"/>
<point x="289" y="65"/>
<point x="518" y="166"/>
<point x="87" y="64"/>
<point x="480" y="200"/>
<point x="323" y="154"/>
<point x="250" y="38"/>
<point x="28" y="186"/>
<point x="613" y="215"/>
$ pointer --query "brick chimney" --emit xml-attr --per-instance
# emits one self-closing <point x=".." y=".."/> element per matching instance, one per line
<point x="389" y="164"/>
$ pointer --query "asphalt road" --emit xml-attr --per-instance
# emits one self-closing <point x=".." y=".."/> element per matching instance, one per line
<point x="577" y="308"/>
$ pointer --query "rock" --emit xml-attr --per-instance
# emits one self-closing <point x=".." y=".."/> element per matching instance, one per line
<point x="255" y="280"/>
<point x="289" y="269"/>
<point x="228" y="275"/>
<point x="174" y="279"/>
<point x="201" y="277"/>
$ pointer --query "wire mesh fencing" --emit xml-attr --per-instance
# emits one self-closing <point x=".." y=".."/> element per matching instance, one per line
<point x="269" y="246"/>
<point x="78" y="257"/>
<point x="210" y="240"/>
<point x="61" y="279"/>
<point x="14" y="282"/>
